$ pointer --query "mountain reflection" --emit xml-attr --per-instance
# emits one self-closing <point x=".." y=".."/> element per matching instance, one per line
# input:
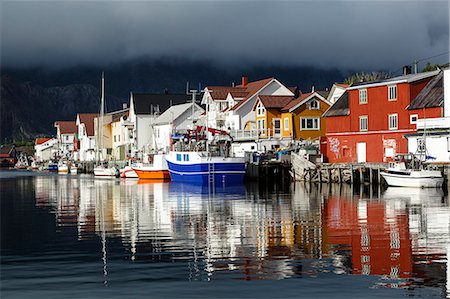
<point x="250" y="232"/>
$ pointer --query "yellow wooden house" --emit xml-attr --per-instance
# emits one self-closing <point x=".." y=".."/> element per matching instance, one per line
<point x="290" y="118"/>
<point x="303" y="116"/>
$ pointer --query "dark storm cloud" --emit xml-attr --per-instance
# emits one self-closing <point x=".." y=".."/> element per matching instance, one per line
<point x="345" y="34"/>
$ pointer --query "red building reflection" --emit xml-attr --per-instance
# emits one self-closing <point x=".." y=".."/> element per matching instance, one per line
<point x="379" y="243"/>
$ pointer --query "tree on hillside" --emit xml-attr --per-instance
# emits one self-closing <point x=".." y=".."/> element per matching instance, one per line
<point x="366" y="77"/>
<point x="430" y="67"/>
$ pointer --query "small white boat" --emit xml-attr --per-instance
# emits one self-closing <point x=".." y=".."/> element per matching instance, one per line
<point x="399" y="175"/>
<point x="73" y="169"/>
<point x="101" y="171"/>
<point x="63" y="168"/>
<point x="128" y="172"/>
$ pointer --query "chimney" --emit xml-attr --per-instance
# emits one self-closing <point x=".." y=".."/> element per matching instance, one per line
<point x="312" y="88"/>
<point x="406" y="70"/>
<point x="124" y="106"/>
<point x="244" y="80"/>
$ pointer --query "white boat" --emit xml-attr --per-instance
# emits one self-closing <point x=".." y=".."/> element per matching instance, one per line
<point x="63" y="168"/>
<point x="102" y="171"/>
<point x="399" y="175"/>
<point x="73" y="169"/>
<point x="128" y="172"/>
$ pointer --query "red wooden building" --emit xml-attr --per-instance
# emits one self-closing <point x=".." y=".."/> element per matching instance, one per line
<point x="369" y="121"/>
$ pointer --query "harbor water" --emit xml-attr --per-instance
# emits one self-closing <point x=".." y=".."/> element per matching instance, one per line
<point x="74" y="236"/>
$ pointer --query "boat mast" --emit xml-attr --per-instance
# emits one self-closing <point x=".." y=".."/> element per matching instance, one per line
<point x="102" y="112"/>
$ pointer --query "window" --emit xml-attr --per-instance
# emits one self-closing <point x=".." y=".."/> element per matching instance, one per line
<point x="314" y="105"/>
<point x="363" y="96"/>
<point x="114" y="138"/>
<point x="393" y="121"/>
<point x="119" y="137"/>
<point x="262" y="126"/>
<point x="286" y="124"/>
<point x="186" y="157"/>
<point x="260" y="110"/>
<point x="413" y="118"/>
<point x="309" y="123"/>
<point x="421" y="145"/>
<point x="67" y="138"/>
<point x="178" y="157"/>
<point x="363" y="123"/>
<point x="392" y="93"/>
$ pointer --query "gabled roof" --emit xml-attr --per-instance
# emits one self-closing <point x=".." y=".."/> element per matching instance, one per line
<point x="220" y="93"/>
<point x="176" y="111"/>
<point x="252" y="88"/>
<point x="88" y="120"/>
<point x="342" y="85"/>
<point x="7" y="149"/>
<point x="116" y="115"/>
<point x="302" y="99"/>
<point x="42" y="140"/>
<point x="432" y="95"/>
<point x="400" y="79"/>
<point x="144" y="101"/>
<point x="339" y="108"/>
<point x="67" y="127"/>
<point x="275" y="102"/>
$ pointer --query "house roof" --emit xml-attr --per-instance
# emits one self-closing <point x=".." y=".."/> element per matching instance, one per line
<point x="432" y="95"/>
<point x="174" y="112"/>
<point x="67" y="127"/>
<point x="339" y="108"/>
<point x="116" y="115"/>
<point x="342" y="85"/>
<point x="41" y="140"/>
<point x="6" y="149"/>
<point x="275" y="101"/>
<point x="400" y="79"/>
<point x="305" y="97"/>
<point x="220" y="93"/>
<point x="252" y="88"/>
<point x="144" y="101"/>
<point x="88" y="120"/>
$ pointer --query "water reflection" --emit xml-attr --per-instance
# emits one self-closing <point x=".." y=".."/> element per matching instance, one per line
<point x="401" y="235"/>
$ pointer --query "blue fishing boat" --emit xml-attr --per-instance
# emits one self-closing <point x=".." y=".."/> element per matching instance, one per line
<point x="202" y="168"/>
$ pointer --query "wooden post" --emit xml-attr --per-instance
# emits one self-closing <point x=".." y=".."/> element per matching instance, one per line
<point x="379" y="176"/>
<point x="448" y="178"/>
<point x="361" y="176"/>
<point x="329" y="174"/>
<point x="340" y="175"/>
<point x="351" y="174"/>
<point x="370" y="176"/>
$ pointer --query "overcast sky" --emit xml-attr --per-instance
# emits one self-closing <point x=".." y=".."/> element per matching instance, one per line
<point x="343" y="34"/>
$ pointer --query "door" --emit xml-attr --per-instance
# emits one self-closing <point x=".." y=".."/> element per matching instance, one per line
<point x="361" y="152"/>
<point x="277" y="127"/>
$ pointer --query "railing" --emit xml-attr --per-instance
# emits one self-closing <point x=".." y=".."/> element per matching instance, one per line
<point x="433" y="123"/>
<point x="244" y="134"/>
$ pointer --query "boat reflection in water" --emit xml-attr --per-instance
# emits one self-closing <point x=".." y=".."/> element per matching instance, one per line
<point x="243" y="232"/>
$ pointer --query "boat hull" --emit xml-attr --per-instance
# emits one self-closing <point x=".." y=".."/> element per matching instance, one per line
<point x="426" y="179"/>
<point x="128" y="172"/>
<point x="152" y="174"/>
<point x="197" y="168"/>
<point x="105" y="172"/>
<point x="63" y="169"/>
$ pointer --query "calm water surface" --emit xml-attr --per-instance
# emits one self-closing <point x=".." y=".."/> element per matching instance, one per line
<point x="80" y="237"/>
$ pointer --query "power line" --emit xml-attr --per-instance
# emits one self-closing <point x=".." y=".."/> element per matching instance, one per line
<point x="419" y="60"/>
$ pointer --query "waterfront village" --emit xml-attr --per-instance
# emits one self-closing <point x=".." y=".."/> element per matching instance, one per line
<point x="362" y="126"/>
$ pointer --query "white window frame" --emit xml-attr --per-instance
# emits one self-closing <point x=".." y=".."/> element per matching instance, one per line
<point x="260" y="109"/>
<point x="393" y="121"/>
<point x="311" y="106"/>
<point x="286" y="124"/>
<point x="314" y="128"/>
<point x="361" y="127"/>
<point x="363" y="96"/>
<point x="392" y="92"/>
<point x="411" y="121"/>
